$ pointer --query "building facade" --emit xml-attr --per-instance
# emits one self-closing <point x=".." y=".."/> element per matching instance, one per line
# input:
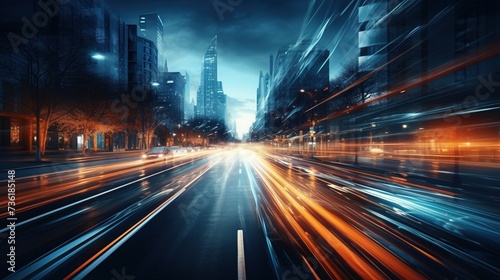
<point x="261" y="106"/>
<point x="171" y="92"/>
<point x="221" y="103"/>
<point x="300" y="80"/>
<point x="209" y="104"/>
<point x="151" y="27"/>
<point x="85" y="32"/>
<point x="429" y="60"/>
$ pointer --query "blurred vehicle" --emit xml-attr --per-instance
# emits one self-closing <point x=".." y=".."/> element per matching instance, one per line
<point x="376" y="151"/>
<point x="158" y="153"/>
<point x="174" y="149"/>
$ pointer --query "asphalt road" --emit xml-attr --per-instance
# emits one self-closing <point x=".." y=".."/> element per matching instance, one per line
<point x="243" y="213"/>
<point x="196" y="236"/>
<point x="177" y="220"/>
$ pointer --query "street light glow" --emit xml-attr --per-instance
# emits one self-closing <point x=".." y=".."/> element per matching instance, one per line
<point x="98" y="56"/>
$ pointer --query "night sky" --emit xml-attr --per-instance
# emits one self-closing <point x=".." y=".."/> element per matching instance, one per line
<point x="248" y="33"/>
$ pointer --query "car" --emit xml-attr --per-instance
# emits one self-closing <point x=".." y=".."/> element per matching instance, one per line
<point x="376" y="151"/>
<point x="158" y="153"/>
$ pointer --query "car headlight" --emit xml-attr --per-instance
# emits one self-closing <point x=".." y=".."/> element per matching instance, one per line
<point x="160" y="155"/>
<point x="144" y="156"/>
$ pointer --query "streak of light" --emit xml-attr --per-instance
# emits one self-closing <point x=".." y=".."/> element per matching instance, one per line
<point x="439" y="72"/>
<point x="42" y="266"/>
<point x="47" y="201"/>
<point x="329" y="227"/>
<point x="96" y="259"/>
<point x="420" y="223"/>
<point x="31" y="197"/>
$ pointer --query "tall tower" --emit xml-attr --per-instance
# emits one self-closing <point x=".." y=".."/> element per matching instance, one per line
<point x="151" y="27"/>
<point x="207" y="97"/>
<point x="221" y="102"/>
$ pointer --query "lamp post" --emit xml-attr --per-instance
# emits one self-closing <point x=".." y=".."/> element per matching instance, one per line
<point x="312" y="131"/>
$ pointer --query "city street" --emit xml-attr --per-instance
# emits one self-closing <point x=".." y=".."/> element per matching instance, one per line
<point x="255" y="139"/>
<point x="296" y="218"/>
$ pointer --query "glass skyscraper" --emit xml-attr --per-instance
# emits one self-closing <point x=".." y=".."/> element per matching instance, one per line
<point x="208" y="101"/>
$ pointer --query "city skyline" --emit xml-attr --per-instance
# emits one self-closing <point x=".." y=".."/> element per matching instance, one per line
<point x="248" y="33"/>
<point x="374" y="153"/>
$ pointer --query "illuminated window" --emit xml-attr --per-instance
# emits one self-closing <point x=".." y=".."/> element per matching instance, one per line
<point x="14" y="132"/>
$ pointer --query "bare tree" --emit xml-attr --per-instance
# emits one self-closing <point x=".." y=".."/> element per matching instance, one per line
<point x="44" y="72"/>
<point x="92" y="112"/>
<point x="149" y="115"/>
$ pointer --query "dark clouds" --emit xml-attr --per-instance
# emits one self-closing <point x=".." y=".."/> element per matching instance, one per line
<point x="253" y="27"/>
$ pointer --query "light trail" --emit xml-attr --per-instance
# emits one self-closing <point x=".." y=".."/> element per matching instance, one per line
<point x="107" y="227"/>
<point x="379" y="227"/>
<point x="285" y="193"/>
<point x="57" y="186"/>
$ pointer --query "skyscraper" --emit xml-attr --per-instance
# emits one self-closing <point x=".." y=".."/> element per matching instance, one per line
<point x="188" y="102"/>
<point x="262" y="102"/>
<point x="221" y="102"/>
<point x="171" y="92"/>
<point x="142" y="54"/>
<point x="208" y="101"/>
<point x="299" y="78"/>
<point x="151" y="27"/>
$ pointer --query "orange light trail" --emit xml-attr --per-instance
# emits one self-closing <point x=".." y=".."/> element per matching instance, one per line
<point x="322" y="222"/>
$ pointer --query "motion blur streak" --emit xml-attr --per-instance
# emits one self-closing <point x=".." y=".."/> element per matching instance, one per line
<point x="36" y="191"/>
<point x="329" y="227"/>
<point x="435" y="74"/>
<point x="437" y="230"/>
<point x="110" y="223"/>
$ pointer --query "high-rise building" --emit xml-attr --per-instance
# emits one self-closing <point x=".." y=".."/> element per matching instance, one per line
<point x="221" y="102"/>
<point x="171" y="92"/>
<point x="209" y="104"/>
<point x="300" y="77"/>
<point x="142" y="70"/>
<point x="415" y="37"/>
<point x="142" y="58"/>
<point x="151" y="27"/>
<point x="84" y="32"/>
<point x="261" y="104"/>
<point x="188" y="102"/>
<point x="418" y="49"/>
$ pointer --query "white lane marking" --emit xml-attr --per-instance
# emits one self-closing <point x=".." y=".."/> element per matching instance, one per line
<point x="241" y="257"/>
<point x="242" y="217"/>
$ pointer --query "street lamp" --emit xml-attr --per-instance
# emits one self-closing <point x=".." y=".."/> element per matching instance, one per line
<point x="98" y="56"/>
<point x="308" y="93"/>
<point x="312" y="131"/>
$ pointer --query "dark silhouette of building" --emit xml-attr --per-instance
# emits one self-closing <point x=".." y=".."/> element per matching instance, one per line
<point x="171" y="92"/>
<point x="300" y="79"/>
<point x="84" y="32"/>
<point x="151" y="28"/>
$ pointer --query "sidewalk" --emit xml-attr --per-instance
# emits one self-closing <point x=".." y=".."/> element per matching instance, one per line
<point x="23" y="159"/>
